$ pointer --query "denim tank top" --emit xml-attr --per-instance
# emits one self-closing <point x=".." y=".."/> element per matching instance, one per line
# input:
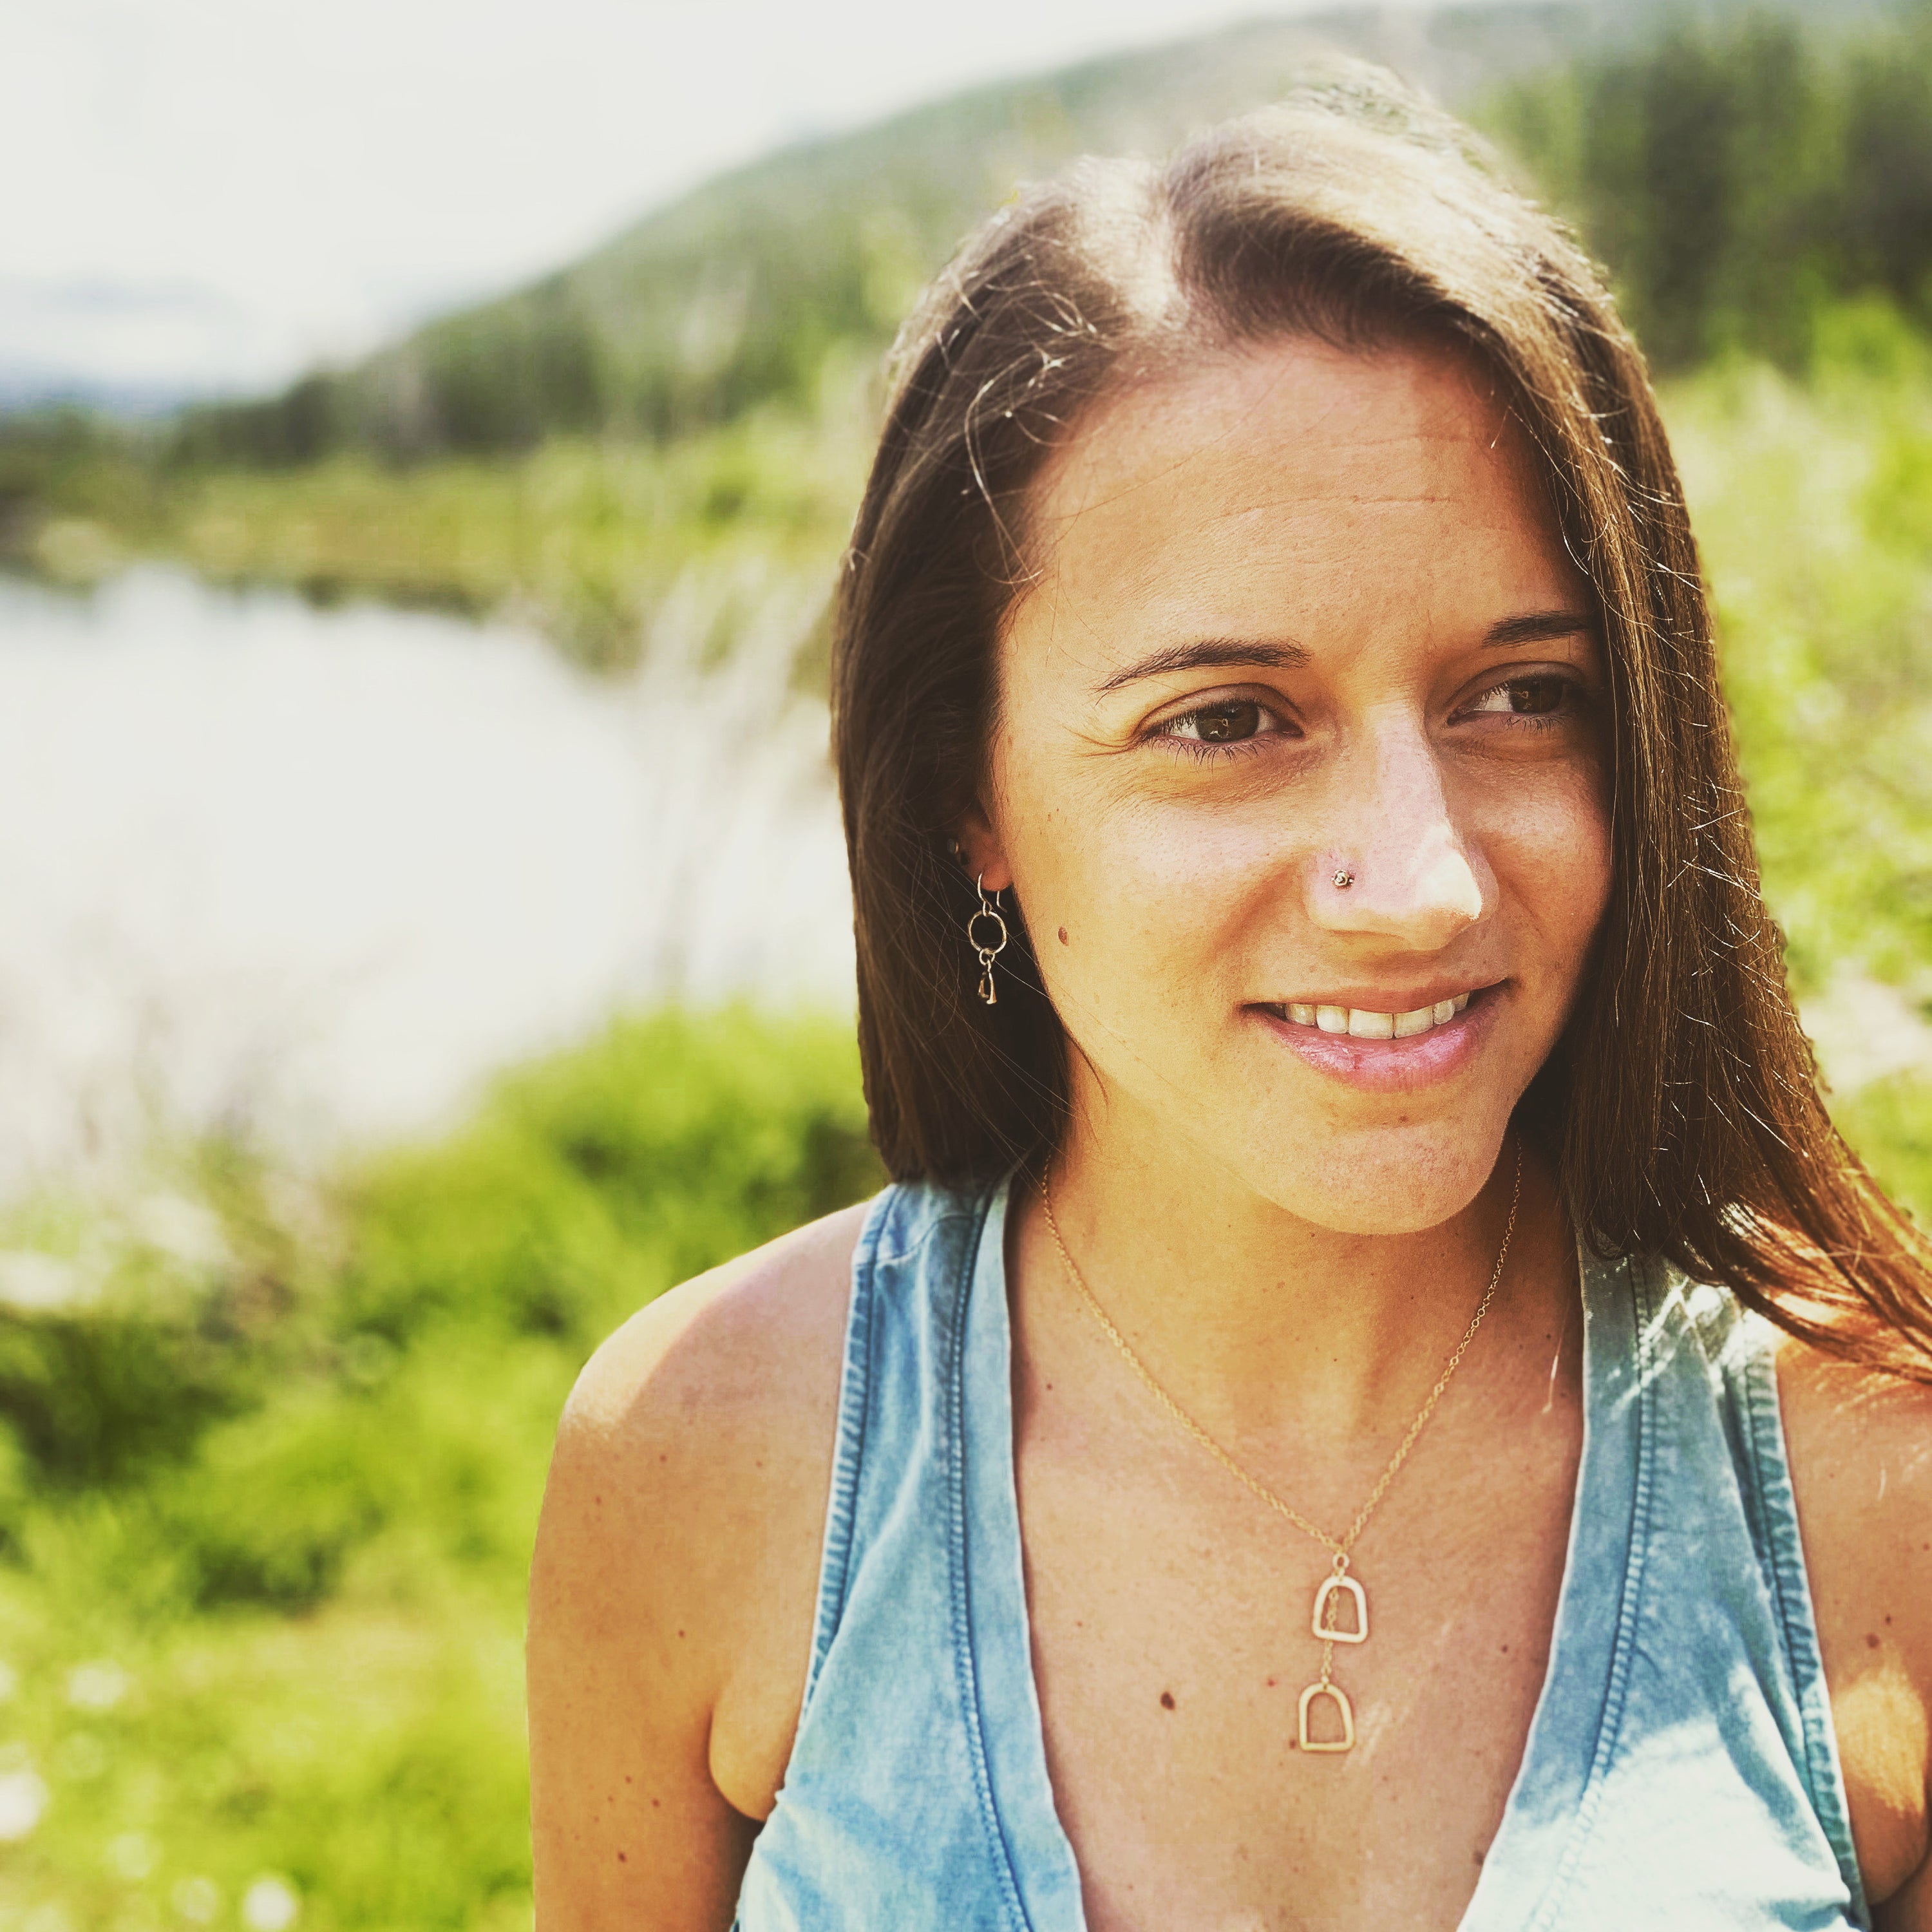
<point x="1680" y="1772"/>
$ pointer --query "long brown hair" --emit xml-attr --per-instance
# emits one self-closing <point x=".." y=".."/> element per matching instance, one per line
<point x="1681" y="1107"/>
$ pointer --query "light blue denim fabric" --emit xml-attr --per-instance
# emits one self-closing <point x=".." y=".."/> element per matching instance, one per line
<point x="1680" y="1772"/>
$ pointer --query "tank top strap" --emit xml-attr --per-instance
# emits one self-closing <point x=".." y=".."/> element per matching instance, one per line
<point x="1739" y="1350"/>
<point x="916" y="1774"/>
<point x="1681" y="1759"/>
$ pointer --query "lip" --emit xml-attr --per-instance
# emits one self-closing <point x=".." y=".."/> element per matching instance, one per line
<point x="1394" y="1065"/>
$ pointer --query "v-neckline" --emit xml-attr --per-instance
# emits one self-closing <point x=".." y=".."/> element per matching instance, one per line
<point x="1573" y="1725"/>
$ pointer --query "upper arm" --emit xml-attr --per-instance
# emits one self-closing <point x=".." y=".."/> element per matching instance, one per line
<point x="1861" y="1452"/>
<point x="1909" y="1908"/>
<point x="672" y="1587"/>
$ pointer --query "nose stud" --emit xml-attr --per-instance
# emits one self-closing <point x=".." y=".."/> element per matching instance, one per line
<point x="1343" y="880"/>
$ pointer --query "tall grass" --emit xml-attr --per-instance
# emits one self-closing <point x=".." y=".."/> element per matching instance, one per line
<point x="267" y="1498"/>
<point x="1813" y="501"/>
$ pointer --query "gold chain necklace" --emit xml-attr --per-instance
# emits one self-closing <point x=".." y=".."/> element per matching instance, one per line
<point x="1338" y="1583"/>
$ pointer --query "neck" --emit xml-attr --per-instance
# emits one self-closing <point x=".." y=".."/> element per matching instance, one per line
<point x="1256" y="1317"/>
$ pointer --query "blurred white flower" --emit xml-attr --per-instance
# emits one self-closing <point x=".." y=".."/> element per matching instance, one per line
<point x="33" y="1282"/>
<point x="132" y="1855"/>
<point x="186" y="1230"/>
<point x="23" y="1798"/>
<point x="198" y="1899"/>
<point x="270" y="1905"/>
<point x="99" y="1686"/>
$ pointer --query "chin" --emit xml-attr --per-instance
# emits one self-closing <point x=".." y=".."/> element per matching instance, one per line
<point x="1394" y="1181"/>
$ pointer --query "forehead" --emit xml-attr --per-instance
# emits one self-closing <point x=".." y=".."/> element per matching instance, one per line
<point x="1290" y="473"/>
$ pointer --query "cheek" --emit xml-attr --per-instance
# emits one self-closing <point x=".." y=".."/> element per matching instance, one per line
<point x="1137" y="903"/>
<point x="1137" y="910"/>
<point x="1554" y="860"/>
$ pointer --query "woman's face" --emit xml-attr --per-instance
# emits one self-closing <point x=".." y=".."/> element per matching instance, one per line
<point x="1303" y="617"/>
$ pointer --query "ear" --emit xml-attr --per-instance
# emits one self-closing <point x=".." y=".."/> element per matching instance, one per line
<point x="983" y="855"/>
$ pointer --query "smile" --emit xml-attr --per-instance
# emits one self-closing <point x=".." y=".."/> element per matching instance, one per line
<point x="1376" y="1051"/>
<point x="1364" y="1023"/>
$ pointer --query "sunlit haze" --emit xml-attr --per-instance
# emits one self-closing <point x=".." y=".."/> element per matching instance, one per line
<point x="220" y="192"/>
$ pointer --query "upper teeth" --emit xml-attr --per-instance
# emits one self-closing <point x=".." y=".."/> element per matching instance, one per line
<point x="1364" y="1024"/>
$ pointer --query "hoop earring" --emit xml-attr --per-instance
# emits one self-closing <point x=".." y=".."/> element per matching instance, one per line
<point x="986" y="910"/>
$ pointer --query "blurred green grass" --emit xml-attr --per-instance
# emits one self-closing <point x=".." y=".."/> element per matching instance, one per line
<point x="1812" y="499"/>
<point x="273" y="1454"/>
<point x="261" y="1615"/>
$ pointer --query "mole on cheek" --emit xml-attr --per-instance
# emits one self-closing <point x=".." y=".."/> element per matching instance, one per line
<point x="1063" y="935"/>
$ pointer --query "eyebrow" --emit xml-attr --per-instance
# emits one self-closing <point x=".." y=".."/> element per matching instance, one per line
<point x="1534" y="627"/>
<point x="1538" y="627"/>
<point x="1210" y="652"/>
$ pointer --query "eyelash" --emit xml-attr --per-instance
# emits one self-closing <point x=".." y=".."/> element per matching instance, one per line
<point x="1204" y="751"/>
<point x="1575" y="697"/>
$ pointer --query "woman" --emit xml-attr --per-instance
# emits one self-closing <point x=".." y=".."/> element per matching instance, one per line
<point x="1265" y="1463"/>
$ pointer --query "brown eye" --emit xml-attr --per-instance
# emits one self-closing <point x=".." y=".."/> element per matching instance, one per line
<point x="1535" y="696"/>
<point x="1221" y="723"/>
<point x="1526" y="698"/>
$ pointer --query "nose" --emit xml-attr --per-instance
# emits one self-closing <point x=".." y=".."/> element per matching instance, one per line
<point x="1412" y="876"/>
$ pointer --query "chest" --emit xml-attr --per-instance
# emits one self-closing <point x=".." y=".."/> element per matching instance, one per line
<point x="1171" y="1624"/>
<point x="1041" y="1670"/>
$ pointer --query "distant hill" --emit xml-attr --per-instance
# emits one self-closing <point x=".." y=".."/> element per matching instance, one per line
<point x="737" y="293"/>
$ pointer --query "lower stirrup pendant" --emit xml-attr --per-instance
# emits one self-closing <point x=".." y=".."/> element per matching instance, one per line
<point x="1339" y="1698"/>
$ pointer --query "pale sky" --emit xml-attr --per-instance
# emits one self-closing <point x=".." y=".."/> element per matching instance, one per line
<point x="213" y="194"/>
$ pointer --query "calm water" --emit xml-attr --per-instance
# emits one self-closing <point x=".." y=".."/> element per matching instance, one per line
<point x="315" y="872"/>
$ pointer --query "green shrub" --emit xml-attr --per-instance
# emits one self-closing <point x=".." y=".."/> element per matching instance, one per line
<point x="592" y="1182"/>
<point x="445" y="1460"/>
<point x="1890" y="1123"/>
<point x="92" y="1395"/>
<point x="307" y="1567"/>
<point x="274" y="1503"/>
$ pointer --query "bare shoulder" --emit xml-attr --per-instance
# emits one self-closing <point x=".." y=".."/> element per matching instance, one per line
<point x="1860" y="1445"/>
<point x="672" y="1585"/>
<point x="737" y="1343"/>
<point x="701" y="1432"/>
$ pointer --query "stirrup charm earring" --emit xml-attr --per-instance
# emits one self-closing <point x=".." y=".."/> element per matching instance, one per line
<point x="976" y="931"/>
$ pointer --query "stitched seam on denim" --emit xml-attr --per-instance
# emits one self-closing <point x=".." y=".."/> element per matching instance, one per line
<point x="1762" y="1527"/>
<point x="1609" y="1723"/>
<point x="835" y="1563"/>
<point x="1790" y="1588"/>
<point x="965" y="1653"/>
<point x="1776" y="1556"/>
<point x="941" y="1219"/>
<point x="858" y="1378"/>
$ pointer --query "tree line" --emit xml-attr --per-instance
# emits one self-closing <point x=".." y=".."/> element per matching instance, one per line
<point x="1736" y="171"/>
<point x="1736" y="177"/>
